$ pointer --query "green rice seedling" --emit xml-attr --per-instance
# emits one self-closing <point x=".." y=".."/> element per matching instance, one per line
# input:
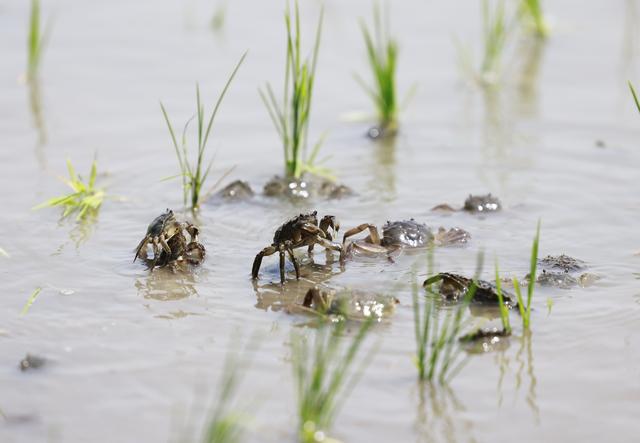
<point x="36" y="41"/>
<point x="437" y="353"/>
<point x="224" y="424"/>
<point x="382" y="53"/>
<point x="525" y="310"/>
<point x="291" y="117"/>
<point x="219" y="17"/>
<point x="195" y="174"/>
<point x="85" y="199"/>
<point x="531" y="12"/>
<point x="494" y="37"/>
<point x="549" y="305"/>
<point x="504" y="311"/>
<point x="30" y="301"/>
<point x="635" y="96"/>
<point x="321" y="373"/>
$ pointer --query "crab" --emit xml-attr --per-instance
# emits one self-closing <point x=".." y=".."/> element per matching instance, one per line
<point x="160" y="230"/>
<point x="477" y="204"/>
<point x="167" y="238"/>
<point x="455" y="286"/>
<point x="560" y="271"/>
<point x="353" y="305"/>
<point x="302" y="230"/>
<point x="397" y="235"/>
<point x="237" y="190"/>
<point x="192" y="252"/>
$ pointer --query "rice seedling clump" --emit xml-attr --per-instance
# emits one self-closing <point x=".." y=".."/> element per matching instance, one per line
<point x="85" y="199"/>
<point x="194" y="174"/>
<point x="321" y="373"/>
<point x="291" y="116"/>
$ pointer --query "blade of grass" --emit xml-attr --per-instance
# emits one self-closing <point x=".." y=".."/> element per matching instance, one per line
<point x="291" y="117"/>
<point x="635" y="96"/>
<point x="504" y="311"/>
<point x="30" y="301"/>
<point x="194" y="175"/>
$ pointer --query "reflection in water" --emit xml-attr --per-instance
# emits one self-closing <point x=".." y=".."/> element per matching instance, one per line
<point x="80" y="233"/>
<point x="525" y="344"/>
<point x="497" y="135"/>
<point x="276" y="296"/>
<point x="629" y="42"/>
<point x="83" y="230"/>
<point x="35" y="105"/>
<point x="525" y="374"/>
<point x="439" y="415"/>
<point x="383" y="179"/>
<point x="526" y="93"/>
<point x="167" y="284"/>
<point x="499" y="159"/>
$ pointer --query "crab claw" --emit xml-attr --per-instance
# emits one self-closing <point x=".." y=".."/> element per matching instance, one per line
<point x="330" y="221"/>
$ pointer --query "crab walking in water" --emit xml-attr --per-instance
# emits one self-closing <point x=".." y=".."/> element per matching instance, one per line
<point x="476" y="204"/>
<point x="399" y="235"/>
<point x="302" y="230"/>
<point x="169" y="243"/>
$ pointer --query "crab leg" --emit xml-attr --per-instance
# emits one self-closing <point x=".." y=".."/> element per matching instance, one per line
<point x="163" y="243"/>
<point x="281" y="263"/>
<point x="313" y="229"/>
<point x="294" y="261"/>
<point x="269" y="250"/>
<point x="329" y="221"/>
<point x="142" y="244"/>
<point x="156" y="254"/>
<point x="328" y="245"/>
<point x="373" y="233"/>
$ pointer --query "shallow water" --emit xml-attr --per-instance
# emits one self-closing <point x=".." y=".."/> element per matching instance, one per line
<point x="134" y="356"/>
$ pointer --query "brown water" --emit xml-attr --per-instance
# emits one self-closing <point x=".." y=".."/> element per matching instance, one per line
<point x="133" y="355"/>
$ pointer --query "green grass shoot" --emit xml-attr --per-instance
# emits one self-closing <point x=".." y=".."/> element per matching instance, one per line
<point x="36" y="41"/>
<point x="4" y="253"/>
<point x="504" y="311"/>
<point x="85" y="199"/>
<point x="635" y="96"/>
<point x="195" y="174"/>
<point x="219" y="16"/>
<point x="30" y="301"/>
<point x="321" y="373"/>
<point x="226" y="425"/>
<point x="382" y="53"/>
<point x="525" y="310"/>
<point x="438" y="353"/>
<point x="531" y="11"/>
<point x="291" y="117"/>
<point x="494" y="37"/>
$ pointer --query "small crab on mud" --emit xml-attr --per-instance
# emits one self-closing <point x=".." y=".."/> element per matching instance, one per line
<point x="236" y="191"/>
<point x="398" y="235"/>
<point x="305" y="187"/>
<point x="557" y="272"/>
<point x="302" y="230"/>
<point x="485" y="340"/>
<point x="167" y="237"/>
<point x="455" y="286"/>
<point x="560" y="272"/>
<point x="352" y="305"/>
<point x="477" y="204"/>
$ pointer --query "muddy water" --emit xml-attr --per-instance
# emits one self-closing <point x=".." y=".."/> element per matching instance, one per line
<point x="135" y="357"/>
